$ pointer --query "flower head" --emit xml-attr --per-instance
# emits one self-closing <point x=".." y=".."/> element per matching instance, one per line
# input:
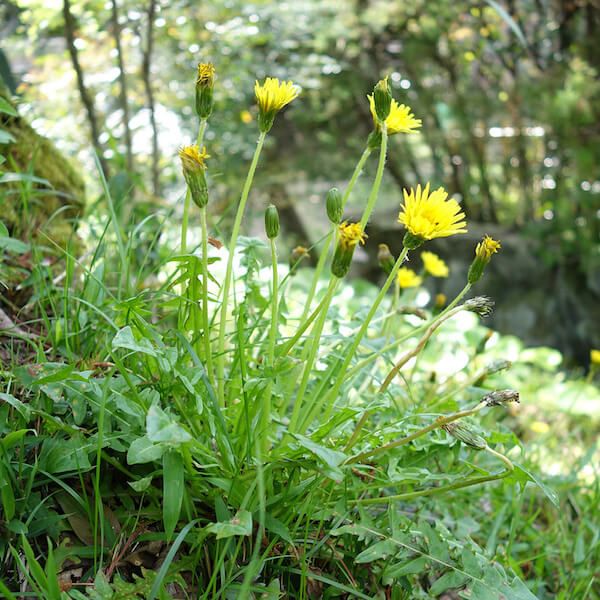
<point x="271" y="97"/>
<point x="434" y="265"/>
<point x="206" y="74"/>
<point x="595" y="357"/>
<point x="399" y="120"/>
<point x="204" y="90"/>
<point x="192" y="162"/>
<point x="428" y="216"/>
<point x="350" y="234"/>
<point x="483" y="253"/>
<point x="407" y="278"/>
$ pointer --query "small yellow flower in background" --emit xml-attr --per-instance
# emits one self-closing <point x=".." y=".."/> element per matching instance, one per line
<point x="483" y="253"/>
<point x="246" y="116"/>
<point x="407" y="278"/>
<point x="539" y="427"/>
<point x="350" y="234"/>
<point x="399" y="120"/>
<point x="192" y="162"/>
<point x="440" y="301"/>
<point x="595" y="357"/>
<point x="428" y="216"/>
<point x="434" y="265"/>
<point x="271" y="97"/>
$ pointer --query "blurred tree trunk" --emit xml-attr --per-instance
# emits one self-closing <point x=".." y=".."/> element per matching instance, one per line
<point x="86" y="99"/>
<point x="147" y="54"/>
<point x="116" y="29"/>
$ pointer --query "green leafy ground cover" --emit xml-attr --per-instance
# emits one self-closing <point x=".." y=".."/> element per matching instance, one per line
<point x="129" y="468"/>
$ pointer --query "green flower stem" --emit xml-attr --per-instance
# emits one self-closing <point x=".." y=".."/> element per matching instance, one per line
<point x="378" y="178"/>
<point x="440" y="422"/>
<point x="227" y="281"/>
<point x="266" y="408"/>
<point x="324" y="253"/>
<point x="503" y="458"/>
<point x="294" y="339"/>
<point x="316" y="339"/>
<point x="332" y="394"/>
<point x="408" y="355"/>
<point x="435" y="490"/>
<point x="205" y="321"/>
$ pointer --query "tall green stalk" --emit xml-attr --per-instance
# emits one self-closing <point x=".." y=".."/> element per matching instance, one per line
<point x="378" y="177"/>
<point x="205" y="321"/>
<point x="332" y="394"/>
<point x="227" y="281"/>
<point x="321" y="263"/>
<point x="266" y="407"/>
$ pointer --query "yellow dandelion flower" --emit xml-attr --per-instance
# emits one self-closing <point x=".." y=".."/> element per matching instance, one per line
<point x="351" y="234"/>
<point x="407" y="278"/>
<point x="483" y="253"/>
<point x="486" y="248"/>
<point x="192" y="161"/>
<point x="595" y="357"/>
<point x="399" y="120"/>
<point x="192" y="157"/>
<point x="271" y="97"/>
<point x="434" y="265"/>
<point x="428" y="216"/>
<point x="206" y="74"/>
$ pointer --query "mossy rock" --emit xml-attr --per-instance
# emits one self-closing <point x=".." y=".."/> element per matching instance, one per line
<point x="66" y="191"/>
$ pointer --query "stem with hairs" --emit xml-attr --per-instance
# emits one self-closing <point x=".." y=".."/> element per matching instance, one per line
<point x="228" y="274"/>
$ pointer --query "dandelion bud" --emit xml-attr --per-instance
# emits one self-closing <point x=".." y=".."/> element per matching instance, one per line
<point x="499" y="397"/>
<point x="271" y="222"/>
<point x="204" y="90"/>
<point x="483" y="253"/>
<point x="192" y="162"/>
<point x="385" y="258"/>
<point x="335" y="210"/>
<point x="298" y="253"/>
<point x="482" y="305"/>
<point x="382" y="97"/>
<point x="464" y="433"/>
<point x="350" y="235"/>
<point x="595" y="357"/>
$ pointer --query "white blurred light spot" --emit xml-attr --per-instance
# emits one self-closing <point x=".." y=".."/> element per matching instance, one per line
<point x="194" y="48"/>
<point x="254" y="18"/>
<point x="586" y="186"/>
<point x="405" y="84"/>
<point x="160" y="22"/>
<point x="548" y="215"/>
<point x="547" y="161"/>
<point x="548" y="183"/>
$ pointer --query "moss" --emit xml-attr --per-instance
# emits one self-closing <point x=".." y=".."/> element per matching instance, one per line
<point x="67" y="186"/>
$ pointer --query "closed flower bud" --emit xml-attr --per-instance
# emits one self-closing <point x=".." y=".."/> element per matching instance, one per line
<point x="464" y="433"/>
<point x="271" y="222"/>
<point x="483" y="253"/>
<point x="500" y="397"/>
<point x="440" y="301"/>
<point x="204" y="90"/>
<point x="350" y="235"/>
<point x="382" y="97"/>
<point x="385" y="258"/>
<point x="335" y="210"/>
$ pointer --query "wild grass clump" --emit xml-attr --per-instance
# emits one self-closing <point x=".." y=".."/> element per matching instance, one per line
<point x="204" y="435"/>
